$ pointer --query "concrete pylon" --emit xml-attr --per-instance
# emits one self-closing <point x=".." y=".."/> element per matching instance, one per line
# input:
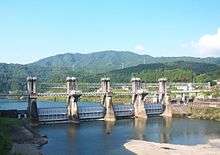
<point x="32" y="100"/>
<point x="164" y="98"/>
<point x="162" y="89"/>
<point x="138" y="96"/>
<point x="71" y="84"/>
<point x="168" y="108"/>
<point x="105" y="87"/>
<point x="135" y="86"/>
<point x="73" y="97"/>
<point x="107" y="99"/>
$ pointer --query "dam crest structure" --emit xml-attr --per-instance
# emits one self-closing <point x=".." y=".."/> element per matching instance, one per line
<point x="106" y="110"/>
<point x="145" y="99"/>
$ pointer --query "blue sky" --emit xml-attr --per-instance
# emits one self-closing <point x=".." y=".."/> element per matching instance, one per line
<point x="34" y="29"/>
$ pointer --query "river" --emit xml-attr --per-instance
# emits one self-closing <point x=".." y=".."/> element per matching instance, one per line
<point x="99" y="137"/>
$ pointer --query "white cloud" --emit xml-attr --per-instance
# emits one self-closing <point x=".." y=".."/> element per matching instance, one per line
<point x="208" y="45"/>
<point x="139" y="48"/>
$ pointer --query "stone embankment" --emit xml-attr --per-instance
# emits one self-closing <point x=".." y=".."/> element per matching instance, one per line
<point x="199" y="109"/>
<point x="25" y="141"/>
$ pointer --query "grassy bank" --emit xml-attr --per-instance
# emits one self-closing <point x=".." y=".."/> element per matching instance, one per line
<point x="6" y="124"/>
<point x="205" y="113"/>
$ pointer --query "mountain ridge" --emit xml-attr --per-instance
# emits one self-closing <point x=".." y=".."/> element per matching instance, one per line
<point x="13" y="76"/>
<point x="179" y="71"/>
<point x="104" y="61"/>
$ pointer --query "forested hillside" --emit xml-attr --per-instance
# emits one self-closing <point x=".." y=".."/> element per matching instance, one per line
<point x="95" y="62"/>
<point x="110" y="60"/>
<point x="92" y="67"/>
<point x="179" y="71"/>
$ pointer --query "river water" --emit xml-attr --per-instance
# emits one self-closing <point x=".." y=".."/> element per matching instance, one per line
<point x="99" y="137"/>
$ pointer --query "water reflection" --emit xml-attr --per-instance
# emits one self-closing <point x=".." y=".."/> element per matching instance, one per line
<point x="153" y="129"/>
<point x="71" y="130"/>
<point x="165" y="130"/>
<point x="109" y="126"/>
<point x="139" y="128"/>
<point x="100" y="137"/>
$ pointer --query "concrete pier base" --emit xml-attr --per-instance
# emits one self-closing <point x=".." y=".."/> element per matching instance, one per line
<point x="106" y="99"/>
<point x="138" y="98"/>
<point x="109" y="115"/>
<point x="33" y="113"/>
<point x="139" y="110"/>
<point x="168" y="109"/>
<point x="72" y="111"/>
<point x="73" y="97"/>
<point x="164" y="98"/>
<point x="72" y="107"/>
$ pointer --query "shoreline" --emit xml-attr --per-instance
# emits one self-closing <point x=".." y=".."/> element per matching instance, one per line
<point x="27" y="141"/>
<point x="196" y="112"/>
<point x="18" y="137"/>
<point x="142" y="147"/>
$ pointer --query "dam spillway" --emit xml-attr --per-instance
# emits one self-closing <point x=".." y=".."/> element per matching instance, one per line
<point x="97" y="111"/>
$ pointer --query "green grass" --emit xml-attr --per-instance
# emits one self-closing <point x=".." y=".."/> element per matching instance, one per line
<point x="5" y="140"/>
<point x="206" y="113"/>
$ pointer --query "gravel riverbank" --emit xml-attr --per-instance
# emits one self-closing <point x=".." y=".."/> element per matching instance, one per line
<point x="150" y="148"/>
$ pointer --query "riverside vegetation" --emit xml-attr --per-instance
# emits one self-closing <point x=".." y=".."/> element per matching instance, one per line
<point x="17" y="137"/>
<point x="6" y="125"/>
<point x="205" y="113"/>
